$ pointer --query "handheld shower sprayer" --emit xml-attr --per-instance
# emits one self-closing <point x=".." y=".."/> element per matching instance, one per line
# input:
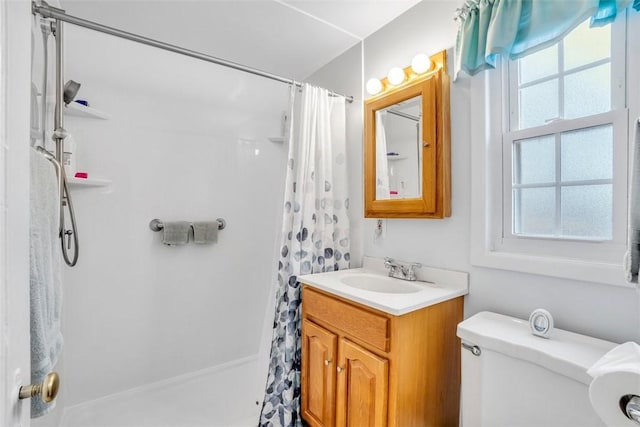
<point x="71" y="89"/>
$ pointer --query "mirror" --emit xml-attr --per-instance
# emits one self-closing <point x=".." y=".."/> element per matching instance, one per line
<point x="398" y="150"/>
<point x="407" y="149"/>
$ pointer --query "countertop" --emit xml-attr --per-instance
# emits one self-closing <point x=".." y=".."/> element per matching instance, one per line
<point x="439" y="285"/>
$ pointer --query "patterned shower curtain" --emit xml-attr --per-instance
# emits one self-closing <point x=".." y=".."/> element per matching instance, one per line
<point x="315" y="236"/>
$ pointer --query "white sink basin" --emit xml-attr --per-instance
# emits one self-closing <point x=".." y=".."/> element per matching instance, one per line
<point x="370" y="285"/>
<point x="382" y="284"/>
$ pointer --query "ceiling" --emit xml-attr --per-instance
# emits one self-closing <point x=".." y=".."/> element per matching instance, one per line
<point x="291" y="38"/>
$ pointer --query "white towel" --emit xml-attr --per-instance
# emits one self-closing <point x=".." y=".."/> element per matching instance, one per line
<point x="45" y="275"/>
<point x="382" y="165"/>
<point x="35" y="116"/>
<point x="632" y="257"/>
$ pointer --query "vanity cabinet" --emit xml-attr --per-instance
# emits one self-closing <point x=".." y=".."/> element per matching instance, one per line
<point x="364" y="367"/>
<point x="362" y="387"/>
<point x="319" y="350"/>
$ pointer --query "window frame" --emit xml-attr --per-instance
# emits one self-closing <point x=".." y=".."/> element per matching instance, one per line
<point x="558" y="257"/>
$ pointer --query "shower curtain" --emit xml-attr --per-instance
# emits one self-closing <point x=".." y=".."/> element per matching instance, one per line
<point x="315" y="236"/>
<point x="382" y="165"/>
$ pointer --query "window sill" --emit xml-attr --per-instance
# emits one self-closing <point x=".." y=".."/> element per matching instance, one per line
<point x="566" y="268"/>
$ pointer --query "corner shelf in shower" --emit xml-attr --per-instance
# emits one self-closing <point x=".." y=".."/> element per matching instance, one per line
<point x="79" y="110"/>
<point x="87" y="182"/>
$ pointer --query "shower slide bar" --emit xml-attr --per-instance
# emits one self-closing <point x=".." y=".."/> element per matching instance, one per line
<point x="47" y="11"/>
<point x="157" y="225"/>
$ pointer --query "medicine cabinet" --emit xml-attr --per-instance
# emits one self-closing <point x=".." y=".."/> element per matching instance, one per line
<point x="407" y="147"/>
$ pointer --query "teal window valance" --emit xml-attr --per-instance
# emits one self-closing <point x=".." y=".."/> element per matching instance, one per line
<point x="515" y="28"/>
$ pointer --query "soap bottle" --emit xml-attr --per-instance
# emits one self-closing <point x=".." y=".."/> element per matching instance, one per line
<point x="69" y="156"/>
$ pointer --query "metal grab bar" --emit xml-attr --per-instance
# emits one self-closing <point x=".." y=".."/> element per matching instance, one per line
<point x="157" y="225"/>
<point x="59" y="173"/>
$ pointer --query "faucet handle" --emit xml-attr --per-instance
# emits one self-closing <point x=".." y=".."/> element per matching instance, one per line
<point x="389" y="262"/>
<point x="411" y="270"/>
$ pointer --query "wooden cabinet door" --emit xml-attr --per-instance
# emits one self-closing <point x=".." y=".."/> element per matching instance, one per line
<point x="318" y="375"/>
<point x="362" y="387"/>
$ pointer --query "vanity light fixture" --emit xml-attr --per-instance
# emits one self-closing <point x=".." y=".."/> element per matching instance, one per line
<point x="421" y="63"/>
<point x="396" y="76"/>
<point x="374" y="86"/>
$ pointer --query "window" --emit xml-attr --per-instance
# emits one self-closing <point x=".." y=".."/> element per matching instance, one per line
<point x="552" y="195"/>
<point x="566" y="119"/>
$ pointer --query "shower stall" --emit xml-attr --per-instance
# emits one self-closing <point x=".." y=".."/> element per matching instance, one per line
<point x="159" y="335"/>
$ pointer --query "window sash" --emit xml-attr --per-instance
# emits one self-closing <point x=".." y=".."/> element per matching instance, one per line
<point x="618" y="76"/>
<point x="509" y="241"/>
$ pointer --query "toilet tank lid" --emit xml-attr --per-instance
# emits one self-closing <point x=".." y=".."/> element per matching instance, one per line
<point x="565" y="353"/>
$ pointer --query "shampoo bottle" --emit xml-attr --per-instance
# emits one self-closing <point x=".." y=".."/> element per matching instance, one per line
<point x="69" y="156"/>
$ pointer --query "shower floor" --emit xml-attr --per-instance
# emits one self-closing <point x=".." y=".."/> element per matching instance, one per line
<point x="215" y="398"/>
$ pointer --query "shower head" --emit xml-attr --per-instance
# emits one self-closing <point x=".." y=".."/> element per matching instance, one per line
<point x="71" y="89"/>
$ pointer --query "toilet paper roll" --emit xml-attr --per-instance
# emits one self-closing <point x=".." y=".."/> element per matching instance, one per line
<point x="624" y="357"/>
<point x="606" y="391"/>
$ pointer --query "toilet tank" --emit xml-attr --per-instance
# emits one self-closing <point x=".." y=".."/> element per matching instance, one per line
<point x="520" y="380"/>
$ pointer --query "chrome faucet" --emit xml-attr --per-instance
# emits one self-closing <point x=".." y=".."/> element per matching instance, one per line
<point x="401" y="271"/>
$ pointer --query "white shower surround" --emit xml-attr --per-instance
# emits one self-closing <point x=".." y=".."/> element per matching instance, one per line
<point x="189" y="400"/>
<point x="187" y="140"/>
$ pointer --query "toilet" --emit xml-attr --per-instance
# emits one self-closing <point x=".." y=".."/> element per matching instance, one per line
<point x="511" y="378"/>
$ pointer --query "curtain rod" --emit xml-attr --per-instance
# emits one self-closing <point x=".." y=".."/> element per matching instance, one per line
<point x="47" y="11"/>
<point x="405" y="115"/>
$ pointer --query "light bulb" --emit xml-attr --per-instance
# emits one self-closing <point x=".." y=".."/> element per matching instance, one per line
<point x="396" y="76"/>
<point x="374" y="86"/>
<point x="420" y="63"/>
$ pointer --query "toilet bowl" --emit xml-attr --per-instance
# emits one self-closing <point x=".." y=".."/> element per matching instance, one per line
<point x="511" y="378"/>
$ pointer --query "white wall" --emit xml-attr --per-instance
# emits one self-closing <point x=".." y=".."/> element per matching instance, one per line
<point x="187" y="140"/>
<point x="600" y="310"/>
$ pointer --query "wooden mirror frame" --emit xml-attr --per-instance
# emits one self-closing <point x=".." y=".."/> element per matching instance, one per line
<point x="435" y="202"/>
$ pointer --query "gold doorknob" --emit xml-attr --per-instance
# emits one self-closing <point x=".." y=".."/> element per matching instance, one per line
<point x="47" y="391"/>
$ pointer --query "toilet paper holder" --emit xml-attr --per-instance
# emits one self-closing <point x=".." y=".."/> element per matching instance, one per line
<point x="630" y="406"/>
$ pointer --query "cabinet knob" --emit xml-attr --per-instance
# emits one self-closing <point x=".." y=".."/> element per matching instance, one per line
<point x="339" y="369"/>
<point x="327" y="362"/>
